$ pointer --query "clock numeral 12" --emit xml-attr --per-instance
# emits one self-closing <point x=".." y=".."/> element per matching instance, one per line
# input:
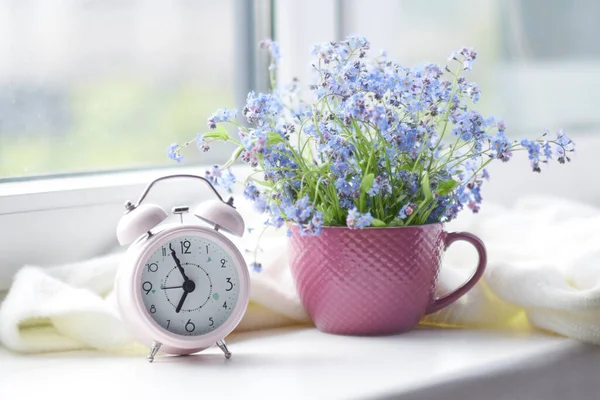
<point x="185" y="247"/>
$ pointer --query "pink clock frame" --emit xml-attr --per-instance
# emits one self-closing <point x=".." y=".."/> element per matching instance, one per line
<point x="128" y="291"/>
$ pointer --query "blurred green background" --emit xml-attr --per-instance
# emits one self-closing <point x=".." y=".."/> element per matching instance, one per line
<point x="90" y="85"/>
<point x="113" y="125"/>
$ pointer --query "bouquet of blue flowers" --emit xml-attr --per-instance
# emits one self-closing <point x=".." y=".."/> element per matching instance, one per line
<point x="373" y="144"/>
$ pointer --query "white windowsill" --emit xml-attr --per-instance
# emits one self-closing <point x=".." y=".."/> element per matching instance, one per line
<point x="307" y="364"/>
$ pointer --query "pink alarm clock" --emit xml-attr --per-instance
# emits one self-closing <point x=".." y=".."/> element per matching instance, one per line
<point x="181" y="288"/>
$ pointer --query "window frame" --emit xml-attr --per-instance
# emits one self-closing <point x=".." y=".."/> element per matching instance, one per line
<point x="41" y="217"/>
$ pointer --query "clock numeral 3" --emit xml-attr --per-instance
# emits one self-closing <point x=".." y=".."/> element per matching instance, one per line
<point x="147" y="286"/>
<point x="212" y="322"/>
<point x="152" y="309"/>
<point x="185" y="247"/>
<point x="230" y="285"/>
<point x="189" y="326"/>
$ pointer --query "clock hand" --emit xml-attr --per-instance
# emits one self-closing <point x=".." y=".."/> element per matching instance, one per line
<point x="171" y="287"/>
<point x="185" y="293"/>
<point x="178" y="263"/>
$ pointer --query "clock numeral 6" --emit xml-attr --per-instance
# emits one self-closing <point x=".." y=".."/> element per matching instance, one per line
<point x="212" y="322"/>
<point x="230" y="285"/>
<point x="152" y="267"/>
<point x="147" y="286"/>
<point x="189" y="326"/>
<point x="152" y="309"/>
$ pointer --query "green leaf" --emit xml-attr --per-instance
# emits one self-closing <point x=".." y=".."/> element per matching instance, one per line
<point x="377" y="223"/>
<point x="426" y="188"/>
<point x="399" y="199"/>
<point x="273" y="138"/>
<point x="446" y="187"/>
<point x="234" y="157"/>
<point x="396" y="222"/>
<point x="220" y="134"/>
<point x="262" y="183"/>
<point x="405" y="167"/>
<point x="367" y="182"/>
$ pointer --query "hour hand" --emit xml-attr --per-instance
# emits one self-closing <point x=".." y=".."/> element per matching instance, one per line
<point x="171" y="287"/>
<point x="178" y="263"/>
<point x="178" y="308"/>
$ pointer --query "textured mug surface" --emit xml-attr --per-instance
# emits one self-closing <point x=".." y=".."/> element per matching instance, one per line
<point x="374" y="281"/>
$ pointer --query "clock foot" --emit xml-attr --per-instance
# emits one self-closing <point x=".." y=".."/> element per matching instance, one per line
<point x="223" y="346"/>
<point x="155" y="349"/>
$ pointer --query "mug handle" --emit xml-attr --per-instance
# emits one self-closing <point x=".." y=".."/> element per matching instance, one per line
<point x="444" y="301"/>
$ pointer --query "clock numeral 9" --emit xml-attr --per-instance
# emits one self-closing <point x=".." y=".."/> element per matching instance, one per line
<point x="147" y="286"/>
<point x="152" y="309"/>
<point x="212" y="322"/>
<point x="223" y="263"/>
<point x="189" y="326"/>
<point x="152" y="267"/>
<point x="230" y="285"/>
<point x="185" y="247"/>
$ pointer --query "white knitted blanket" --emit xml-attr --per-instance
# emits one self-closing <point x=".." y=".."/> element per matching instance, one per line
<point x="543" y="271"/>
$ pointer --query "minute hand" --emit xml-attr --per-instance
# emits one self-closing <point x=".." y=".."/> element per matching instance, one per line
<point x="178" y="263"/>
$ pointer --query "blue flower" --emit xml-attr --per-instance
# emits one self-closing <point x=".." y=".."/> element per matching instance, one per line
<point x="276" y="221"/>
<point x="217" y="177"/>
<point x="262" y="109"/>
<point x="273" y="48"/>
<point x="221" y="115"/>
<point x="381" y="186"/>
<point x="314" y="226"/>
<point x="257" y="267"/>
<point x="251" y="192"/>
<point x="533" y="149"/>
<point x="406" y="210"/>
<point x="352" y="218"/>
<point x="364" y="220"/>
<point x="501" y="147"/>
<point x="173" y="152"/>
<point x="339" y="168"/>
<point x="356" y="220"/>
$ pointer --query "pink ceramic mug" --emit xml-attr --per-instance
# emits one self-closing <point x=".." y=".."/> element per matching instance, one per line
<point x="374" y="281"/>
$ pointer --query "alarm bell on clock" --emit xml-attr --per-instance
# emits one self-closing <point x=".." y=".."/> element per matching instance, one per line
<point x="181" y="287"/>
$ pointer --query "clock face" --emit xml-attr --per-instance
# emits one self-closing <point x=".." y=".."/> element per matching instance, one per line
<point x="190" y="285"/>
